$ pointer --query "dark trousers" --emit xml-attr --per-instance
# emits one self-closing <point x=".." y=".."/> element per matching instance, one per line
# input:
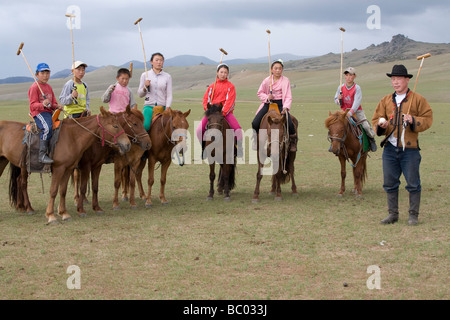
<point x="257" y="120"/>
<point x="45" y="123"/>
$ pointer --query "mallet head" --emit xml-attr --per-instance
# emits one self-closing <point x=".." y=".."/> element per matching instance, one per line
<point x="268" y="31"/>
<point x="342" y="29"/>
<point x="20" y="48"/>
<point x="131" y="69"/>
<point x="426" y="55"/>
<point x="137" y="21"/>
<point x="68" y="15"/>
<point x="223" y="51"/>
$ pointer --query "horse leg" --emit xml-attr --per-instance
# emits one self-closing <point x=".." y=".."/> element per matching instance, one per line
<point x="132" y="184"/>
<point x="117" y="182"/>
<point x="278" y="197"/>
<point x="125" y="182"/>
<point x="24" y="185"/>
<point x="151" y="180"/>
<point x="343" y="175"/>
<point x="274" y="187"/>
<point x="95" y="176"/>
<point x="291" y="173"/>
<point x="357" y="176"/>
<point x="76" y="185"/>
<point x="62" y="196"/>
<point x="81" y="189"/>
<point x="164" y="168"/>
<point x="139" y="170"/>
<point x="3" y="163"/>
<point x="221" y="181"/>
<point x="258" y="181"/>
<point x="49" y="212"/>
<point x="226" y="181"/>
<point x="212" y="177"/>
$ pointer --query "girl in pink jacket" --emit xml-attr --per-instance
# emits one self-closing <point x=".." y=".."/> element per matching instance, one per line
<point x="222" y="91"/>
<point x="281" y="95"/>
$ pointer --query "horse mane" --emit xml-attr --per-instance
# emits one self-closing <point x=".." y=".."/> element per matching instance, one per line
<point x="138" y="114"/>
<point x="334" y="118"/>
<point x="214" y="108"/>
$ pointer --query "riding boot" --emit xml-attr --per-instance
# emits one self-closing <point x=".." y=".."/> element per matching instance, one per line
<point x="414" y="204"/>
<point x="392" y="201"/>
<point x="239" y="149"/>
<point x="373" y="144"/>
<point x="43" y="148"/>
<point x="293" y="142"/>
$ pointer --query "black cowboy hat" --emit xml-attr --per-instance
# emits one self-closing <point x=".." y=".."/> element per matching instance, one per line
<point x="399" y="70"/>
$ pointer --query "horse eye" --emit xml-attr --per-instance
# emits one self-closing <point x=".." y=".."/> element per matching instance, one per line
<point x="116" y="126"/>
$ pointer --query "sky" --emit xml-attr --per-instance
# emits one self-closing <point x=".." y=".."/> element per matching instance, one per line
<point x="105" y="34"/>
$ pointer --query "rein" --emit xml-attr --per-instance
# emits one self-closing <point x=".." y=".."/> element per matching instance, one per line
<point x="104" y="130"/>
<point x="169" y="140"/>
<point x="136" y="137"/>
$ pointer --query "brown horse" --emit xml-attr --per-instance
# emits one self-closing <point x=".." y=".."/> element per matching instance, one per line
<point x="273" y="135"/>
<point x="94" y="157"/>
<point x="75" y="137"/>
<point x="346" y="145"/>
<point x="167" y="132"/>
<point x="11" y="147"/>
<point x="222" y="153"/>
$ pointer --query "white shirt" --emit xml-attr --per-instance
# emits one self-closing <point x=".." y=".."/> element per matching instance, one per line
<point x="398" y="99"/>
<point x="160" y="88"/>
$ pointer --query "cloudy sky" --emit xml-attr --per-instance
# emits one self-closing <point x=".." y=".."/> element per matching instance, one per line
<point x="107" y="34"/>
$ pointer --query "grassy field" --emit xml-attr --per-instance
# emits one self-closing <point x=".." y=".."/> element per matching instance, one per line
<point x="314" y="246"/>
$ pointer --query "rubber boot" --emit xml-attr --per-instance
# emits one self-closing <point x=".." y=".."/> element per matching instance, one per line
<point x="414" y="204"/>
<point x="392" y="200"/>
<point x="373" y="144"/>
<point x="239" y="149"/>
<point x="43" y="148"/>
<point x="293" y="142"/>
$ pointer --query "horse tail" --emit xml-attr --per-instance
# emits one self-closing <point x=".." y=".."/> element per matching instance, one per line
<point x="280" y="175"/>
<point x="15" y="194"/>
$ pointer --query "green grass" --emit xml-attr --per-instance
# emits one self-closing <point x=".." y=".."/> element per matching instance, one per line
<point x="303" y="247"/>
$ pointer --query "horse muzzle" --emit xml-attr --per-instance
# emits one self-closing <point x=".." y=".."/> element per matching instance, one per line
<point x="124" y="147"/>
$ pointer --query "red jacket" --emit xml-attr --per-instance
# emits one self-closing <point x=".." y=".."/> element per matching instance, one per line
<point x="223" y="92"/>
<point x="36" y="99"/>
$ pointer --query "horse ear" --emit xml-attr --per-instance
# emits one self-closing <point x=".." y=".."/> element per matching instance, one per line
<point x="172" y="113"/>
<point x="221" y="105"/>
<point x="346" y="111"/>
<point x="187" y="113"/>
<point x="208" y="106"/>
<point x="128" y="110"/>
<point x="329" y="113"/>
<point x="103" y="111"/>
<point x="135" y="107"/>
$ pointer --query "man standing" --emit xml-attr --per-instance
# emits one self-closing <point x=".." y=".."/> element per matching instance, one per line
<point x="392" y="112"/>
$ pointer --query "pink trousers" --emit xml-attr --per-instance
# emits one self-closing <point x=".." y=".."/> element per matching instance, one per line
<point x="232" y="121"/>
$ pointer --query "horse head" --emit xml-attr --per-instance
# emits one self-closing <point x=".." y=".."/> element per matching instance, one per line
<point x="337" y="127"/>
<point x="132" y="120"/>
<point x="215" y="116"/>
<point x="180" y="127"/>
<point x="112" y="131"/>
<point x="276" y="133"/>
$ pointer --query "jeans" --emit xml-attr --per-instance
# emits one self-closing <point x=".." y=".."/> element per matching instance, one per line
<point x="395" y="162"/>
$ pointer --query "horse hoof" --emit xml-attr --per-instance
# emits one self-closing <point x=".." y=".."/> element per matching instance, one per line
<point x="133" y="207"/>
<point x="30" y="213"/>
<point x="116" y="208"/>
<point x="100" y="212"/>
<point x="339" y="195"/>
<point x="52" y="222"/>
<point x="227" y="199"/>
<point x="271" y="193"/>
<point x="278" y="198"/>
<point x="67" y="219"/>
<point x="295" y="194"/>
<point x="209" y="198"/>
<point x="148" y="205"/>
<point x="165" y="203"/>
<point x="255" y="200"/>
<point x="82" y="215"/>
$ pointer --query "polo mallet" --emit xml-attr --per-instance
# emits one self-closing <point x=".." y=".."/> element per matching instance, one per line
<point x="342" y="60"/>
<point x="70" y="16"/>
<point x="137" y="22"/>
<point x="131" y="69"/>
<point x="20" y="51"/>
<point x="221" y="58"/>
<point x="270" y="71"/>
<point x="422" y="58"/>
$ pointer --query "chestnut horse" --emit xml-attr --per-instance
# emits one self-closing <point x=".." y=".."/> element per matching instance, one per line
<point x="11" y="147"/>
<point x="226" y="156"/>
<point x="167" y="132"/>
<point x="345" y="144"/>
<point x="75" y="137"/>
<point x="273" y="135"/>
<point x="132" y="121"/>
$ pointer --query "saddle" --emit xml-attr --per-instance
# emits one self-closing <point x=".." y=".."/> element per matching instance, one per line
<point x="31" y="139"/>
<point x="157" y="111"/>
<point x="359" y="132"/>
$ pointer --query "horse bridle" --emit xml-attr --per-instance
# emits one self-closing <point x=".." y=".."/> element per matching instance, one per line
<point x="104" y="130"/>
<point x="169" y="140"/>
<point x="136" y="137"/>
<point x="342" y="141"/>
<point x="285" y="142"/>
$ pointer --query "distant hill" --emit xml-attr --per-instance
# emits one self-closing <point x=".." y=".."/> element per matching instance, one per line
<point x="16" y="80"/>
<point x="67" y="72"/>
